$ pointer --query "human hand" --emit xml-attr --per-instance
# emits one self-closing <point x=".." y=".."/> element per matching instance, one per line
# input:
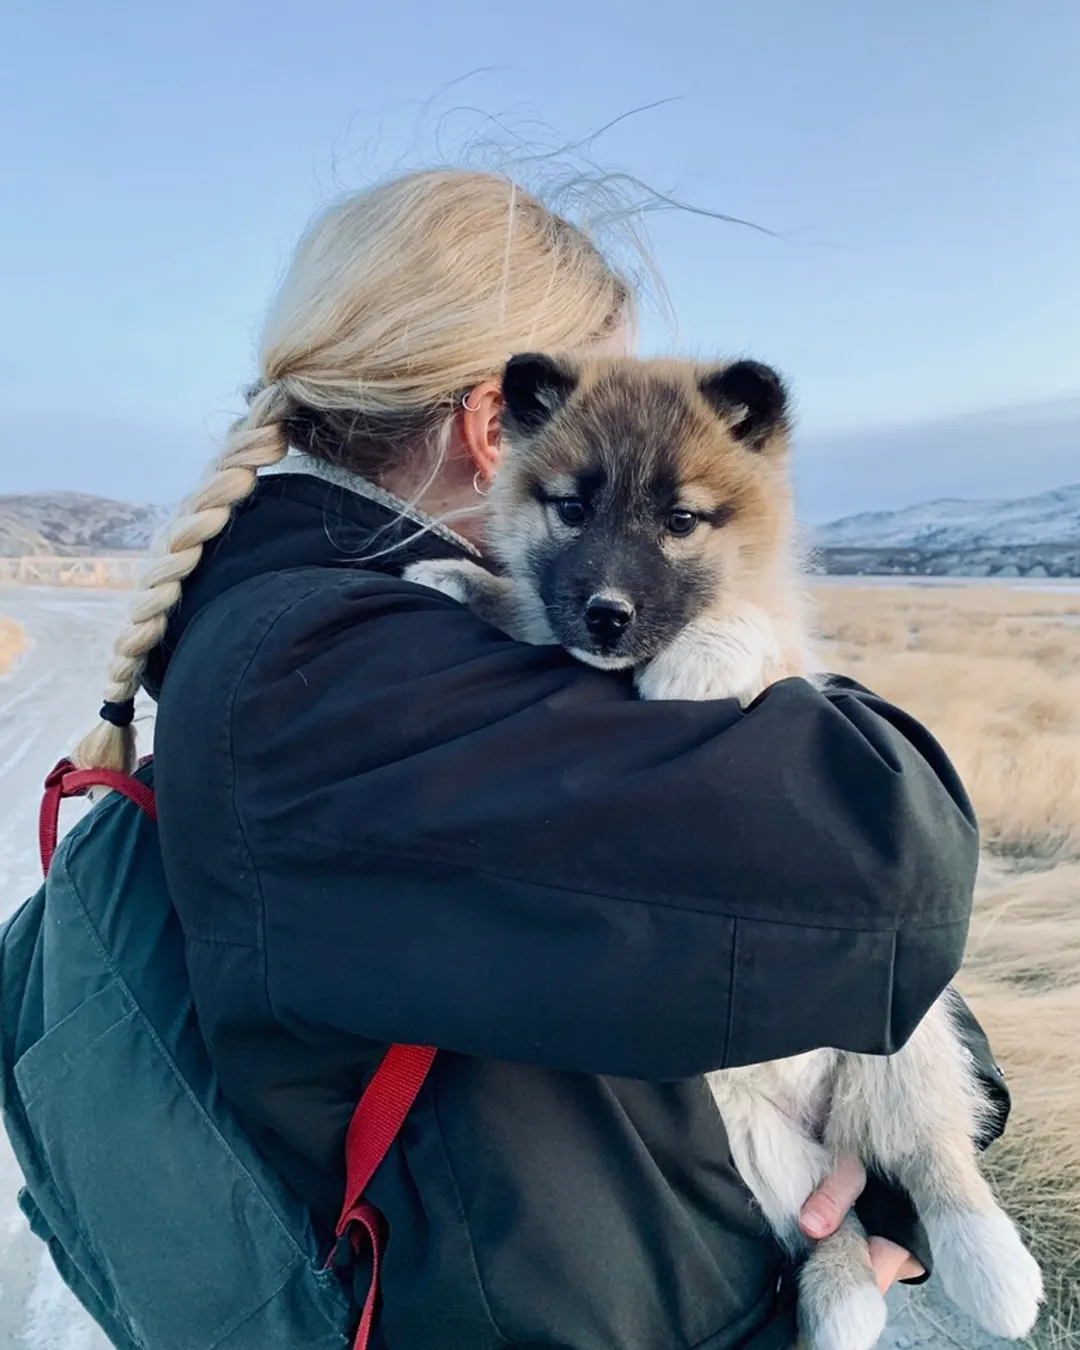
<point x="824" y="1211"/>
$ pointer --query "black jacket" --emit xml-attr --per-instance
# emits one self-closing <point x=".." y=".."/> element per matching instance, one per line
<point x="383" y="821"/>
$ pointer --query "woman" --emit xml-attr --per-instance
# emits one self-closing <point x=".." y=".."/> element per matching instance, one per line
<point x="412" y="829"/>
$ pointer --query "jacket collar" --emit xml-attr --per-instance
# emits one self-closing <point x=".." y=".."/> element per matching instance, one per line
<point x="298" y="462"/>
<point x="306" y="514"/>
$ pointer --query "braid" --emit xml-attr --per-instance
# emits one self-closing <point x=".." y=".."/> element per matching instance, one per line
<point x="257" y="440"/>
<point x="396" y="299"/>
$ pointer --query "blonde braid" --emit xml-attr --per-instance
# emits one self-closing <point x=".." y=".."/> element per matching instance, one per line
<point x="254" y="442"/>
<point x="398" y="299"/>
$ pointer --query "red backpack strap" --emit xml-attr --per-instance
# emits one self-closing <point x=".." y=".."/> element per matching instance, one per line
<point x="67" y="781"/>
<point x="375" y="1124"/>
<point x="386" y="1101"/>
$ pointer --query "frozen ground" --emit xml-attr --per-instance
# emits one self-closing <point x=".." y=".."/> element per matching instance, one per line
<point x="44" y="705"/>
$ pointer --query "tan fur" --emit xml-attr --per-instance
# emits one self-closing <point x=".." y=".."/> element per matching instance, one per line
<point x="911" y="1115"/>
<point x="659" y="402"/>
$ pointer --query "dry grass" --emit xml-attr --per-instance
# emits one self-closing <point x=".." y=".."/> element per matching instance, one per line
<point x="1022" y="979"/>
<point x="995" y="674"/>
<point x="12" y="643"/>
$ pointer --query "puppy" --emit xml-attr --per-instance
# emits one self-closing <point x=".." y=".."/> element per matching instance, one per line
<point x="643" y="520"/>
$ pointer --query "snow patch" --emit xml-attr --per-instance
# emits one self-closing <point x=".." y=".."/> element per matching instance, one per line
<point x="52" y="1320"/>
<point x="1048" y="518"/>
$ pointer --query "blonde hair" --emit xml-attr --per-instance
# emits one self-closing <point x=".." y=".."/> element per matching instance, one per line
<point x="398" y="299"/>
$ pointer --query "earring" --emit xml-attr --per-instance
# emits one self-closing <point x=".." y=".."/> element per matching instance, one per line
<point x="467" y="405"/>
<point x="480" y="491"/>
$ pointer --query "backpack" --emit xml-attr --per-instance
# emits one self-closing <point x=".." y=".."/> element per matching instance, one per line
<point x="161" y="1216"/>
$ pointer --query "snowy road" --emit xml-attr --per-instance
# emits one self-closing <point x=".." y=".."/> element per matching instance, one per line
<point x="44" y="706"/>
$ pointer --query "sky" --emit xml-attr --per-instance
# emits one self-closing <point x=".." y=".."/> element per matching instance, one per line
<point x="918" y="165"/>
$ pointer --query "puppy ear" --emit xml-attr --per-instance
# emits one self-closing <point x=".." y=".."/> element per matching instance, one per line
<point x="750" y="397"/>
<point x="535" y="387"/>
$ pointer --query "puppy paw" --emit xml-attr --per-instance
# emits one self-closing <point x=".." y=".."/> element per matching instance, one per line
<point x="840" y="1306"/>
<point x="986" y="1270"/>
<point x="852" y="1319"/>
<point x="449" y="578"/>
<point x="713" y="659"/>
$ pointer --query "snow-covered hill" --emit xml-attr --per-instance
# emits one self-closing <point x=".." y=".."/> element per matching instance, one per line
<point x="1049" y="518"/>
<point x="73" y="524"/>
<point x="1037" y="535"/>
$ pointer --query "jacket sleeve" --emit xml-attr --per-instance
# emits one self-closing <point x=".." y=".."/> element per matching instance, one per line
<point x="460" y="841"/>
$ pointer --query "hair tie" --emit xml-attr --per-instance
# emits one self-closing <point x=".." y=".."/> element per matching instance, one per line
<point x="119" y="714"/>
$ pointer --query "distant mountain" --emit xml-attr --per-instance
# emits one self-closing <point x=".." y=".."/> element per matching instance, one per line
<point x="1037" y="536"/>
<point x="1029" y="536"/>
<point x="72" y="524"/>
<point x="1049" y="518"/>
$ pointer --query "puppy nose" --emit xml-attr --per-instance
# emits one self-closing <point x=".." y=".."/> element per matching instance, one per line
<point x="606" y="618"/>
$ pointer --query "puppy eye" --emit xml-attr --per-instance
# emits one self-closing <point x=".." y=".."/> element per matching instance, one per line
<point x="681" y="523"/>
<point x="571" y="511"/>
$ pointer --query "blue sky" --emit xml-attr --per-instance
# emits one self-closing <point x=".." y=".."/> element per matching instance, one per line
<point x="921" y="163"/>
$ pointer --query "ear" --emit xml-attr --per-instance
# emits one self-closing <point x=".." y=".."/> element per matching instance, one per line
<point x="481" y="427"/>
<point x="535" y="387"/>
<point x="750" y="397"/>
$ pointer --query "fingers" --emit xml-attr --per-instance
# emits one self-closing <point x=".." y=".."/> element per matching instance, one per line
<point x="824" y="1211"/>
<point x="891" y="1263"/>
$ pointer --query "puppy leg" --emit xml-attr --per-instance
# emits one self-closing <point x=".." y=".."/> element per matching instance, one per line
<point x="714" y="658"/>
<point x="505" y="604"/>
<point x="914" y="1114"/>
<point x="840" y="1305"/>
<point x="779" y="1163"/>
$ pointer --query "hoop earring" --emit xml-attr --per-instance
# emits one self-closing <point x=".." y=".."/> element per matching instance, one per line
<point x="480" y="491"/>
<point x="467" y="405"/>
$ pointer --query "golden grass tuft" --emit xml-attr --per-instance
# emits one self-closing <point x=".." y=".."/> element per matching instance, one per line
<point x="13" y="642"/>
<point x="1022" y="980"/>
<point x="995" y="675"/>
